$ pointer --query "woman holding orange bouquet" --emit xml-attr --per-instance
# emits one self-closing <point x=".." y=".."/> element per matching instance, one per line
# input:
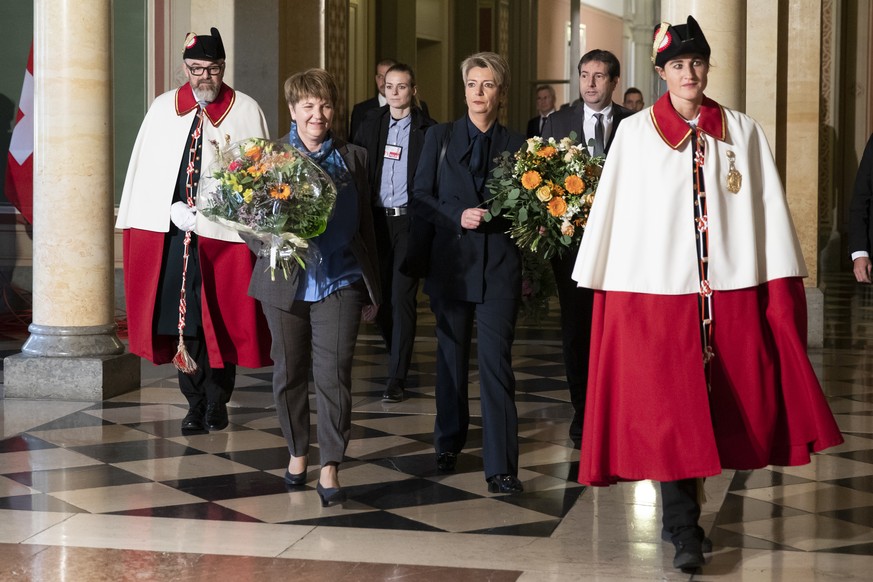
<point x="314" y="313"/>
<point x="475" y="274"/>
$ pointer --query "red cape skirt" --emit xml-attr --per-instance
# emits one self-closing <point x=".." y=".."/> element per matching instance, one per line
<point x="233" y="324"/>
<point x="649" y="413"/>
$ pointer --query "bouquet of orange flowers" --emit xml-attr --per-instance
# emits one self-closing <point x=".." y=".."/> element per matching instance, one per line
<point x="545" y="190"/>
<point x="272" y="191"/>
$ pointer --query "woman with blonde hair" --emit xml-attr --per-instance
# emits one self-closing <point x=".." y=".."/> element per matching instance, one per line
<point x="475" y="274"/>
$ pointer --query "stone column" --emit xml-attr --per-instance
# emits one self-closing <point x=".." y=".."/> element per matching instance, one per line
<point x="73" y="352"/>
<point x="724" y="24"/>
<point x="799" y="153"/>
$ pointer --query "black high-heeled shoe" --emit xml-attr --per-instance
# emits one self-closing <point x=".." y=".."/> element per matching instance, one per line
<point x="295" y="479"/>
<point x="330" y="496"/>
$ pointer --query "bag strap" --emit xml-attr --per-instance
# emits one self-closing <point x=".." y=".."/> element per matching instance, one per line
<point x="443" y="147"/>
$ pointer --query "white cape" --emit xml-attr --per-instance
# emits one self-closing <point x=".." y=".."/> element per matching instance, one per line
<point x="640" y="235"/>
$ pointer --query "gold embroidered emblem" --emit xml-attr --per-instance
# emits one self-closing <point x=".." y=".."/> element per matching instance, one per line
<point x="734" y="178"/>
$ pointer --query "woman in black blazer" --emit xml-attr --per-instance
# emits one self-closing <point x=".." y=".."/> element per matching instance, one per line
<point x="475" y="274"/>
<point x="314" y="314"/>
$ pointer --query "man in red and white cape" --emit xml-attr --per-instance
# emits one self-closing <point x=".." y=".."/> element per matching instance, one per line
<point x="698" y="351"/>
<point x="168" y="244"/>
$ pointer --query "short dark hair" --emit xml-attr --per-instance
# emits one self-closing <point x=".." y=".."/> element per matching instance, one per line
<point x="385" y="63"/>
<point x="316" y="83"/>
<point x="611" y="61"/>
<point x="631" y="91"/>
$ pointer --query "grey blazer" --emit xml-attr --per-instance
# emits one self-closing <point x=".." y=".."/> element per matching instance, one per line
<point x="280" y="293"/>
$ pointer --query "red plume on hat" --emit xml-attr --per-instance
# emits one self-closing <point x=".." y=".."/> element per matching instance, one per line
<point x="204" y="48"/>
<point x="674" y="41"/>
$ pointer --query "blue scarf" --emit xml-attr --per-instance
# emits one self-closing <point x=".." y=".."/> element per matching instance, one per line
<point x="327" y="157"/>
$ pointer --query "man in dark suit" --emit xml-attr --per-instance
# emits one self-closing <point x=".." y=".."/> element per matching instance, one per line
<point x="361" y="110"/>
<point x="545" y="107"/>
<point x="393" y="138"/>
<point x="860" y="215"/>
<point x="594" y="120"/>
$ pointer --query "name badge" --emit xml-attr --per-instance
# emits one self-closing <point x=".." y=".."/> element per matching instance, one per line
<point x="393" y="152"/>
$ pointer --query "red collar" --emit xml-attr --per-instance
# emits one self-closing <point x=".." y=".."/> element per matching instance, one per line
<point x="215" y="111"/>
<point x="674" y="130"/>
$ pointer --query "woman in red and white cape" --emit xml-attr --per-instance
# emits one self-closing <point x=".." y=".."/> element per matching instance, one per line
<point x="698" y="352"/>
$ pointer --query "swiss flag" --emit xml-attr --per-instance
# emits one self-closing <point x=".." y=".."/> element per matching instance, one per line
<point x="19" y="163"/>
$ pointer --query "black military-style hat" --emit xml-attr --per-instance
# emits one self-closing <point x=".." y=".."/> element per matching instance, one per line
<point x="204" y="48"/>
<point x="675" y="41"/>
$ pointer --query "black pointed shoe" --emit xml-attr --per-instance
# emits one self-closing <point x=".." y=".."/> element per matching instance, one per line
<point x="330" y="495"/>
<point x="504" y="484"/>
<point x="295" y="479"/>
<point x="216" y="416"/>
<point x="446" y="462"/>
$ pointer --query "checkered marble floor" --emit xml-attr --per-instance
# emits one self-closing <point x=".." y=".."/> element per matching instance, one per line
<point x="116" y="482"/>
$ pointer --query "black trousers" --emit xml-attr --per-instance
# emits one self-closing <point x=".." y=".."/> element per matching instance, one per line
<point x="576" y="306"/>
<point x="681" y="510"/>
<point x="397" y="316"/>
<point x="207" y="384"/>
<point x="495" y="330"/>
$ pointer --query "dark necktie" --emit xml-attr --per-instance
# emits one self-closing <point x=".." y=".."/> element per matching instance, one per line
<point x="478" y="159"/>
<point x="598" y="135"/>
<point x="542" y="123"/>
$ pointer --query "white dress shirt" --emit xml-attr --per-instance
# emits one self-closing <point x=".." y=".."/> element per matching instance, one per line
<point x="589" y="121"/>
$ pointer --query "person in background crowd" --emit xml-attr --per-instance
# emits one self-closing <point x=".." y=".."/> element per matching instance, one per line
<point x="181" y="270"/>
<point x="361" y="110"/>
<point x="545" y="107"/>
<point x="393" y="140"/>
<point x="633" y="99"/>
<point x="860" y="214"/>
<point x="594" y="120"/>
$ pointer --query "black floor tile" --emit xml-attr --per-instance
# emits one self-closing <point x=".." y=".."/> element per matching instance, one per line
<point x="369" y="520"/>
<point x="407" y="493"/>
<point x="536" y="529"/>
<point x="208" y="511"/>
<point x="135" y="450"/>
<point x="231" y="486"/>
<point x="39" y="502"/>
<point x="73" y="478"/>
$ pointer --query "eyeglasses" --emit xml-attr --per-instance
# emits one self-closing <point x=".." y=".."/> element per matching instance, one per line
<point x="211" y="69"/>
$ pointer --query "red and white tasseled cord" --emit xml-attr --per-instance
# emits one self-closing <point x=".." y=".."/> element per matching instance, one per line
<point x="183" y="360"/>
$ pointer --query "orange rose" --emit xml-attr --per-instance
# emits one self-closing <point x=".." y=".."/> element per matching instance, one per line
<point x="547" y="152"/>
<point x="254" y="153"/>
<point x="574" y="184"/>
<point x="557" y="206"/>
<point x="531" y="179"/>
